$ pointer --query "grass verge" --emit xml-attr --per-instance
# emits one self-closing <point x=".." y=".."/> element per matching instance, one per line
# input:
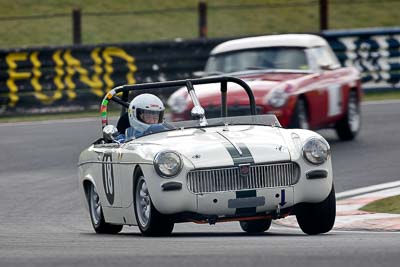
<point x="385" y="95"/>
<point x="386" y="205"/>
<point x="150" y="20"/>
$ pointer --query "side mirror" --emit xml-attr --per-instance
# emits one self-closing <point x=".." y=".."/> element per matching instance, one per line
<point x="110" y="132"/>
<point x="197" y="112"/>
<point x="325" y="67"/>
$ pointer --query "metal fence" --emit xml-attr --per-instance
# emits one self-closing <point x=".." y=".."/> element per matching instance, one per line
<point x="201" y="20"/>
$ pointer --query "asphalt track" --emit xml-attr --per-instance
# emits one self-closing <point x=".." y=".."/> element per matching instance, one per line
<point x="42" y="222"/>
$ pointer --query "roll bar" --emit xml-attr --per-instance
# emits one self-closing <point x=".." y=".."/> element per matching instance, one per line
<point x="223" y="80"/>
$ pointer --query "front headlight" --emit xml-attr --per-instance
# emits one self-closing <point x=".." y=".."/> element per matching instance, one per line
<point x="279" y="95"/>
<point x="278" y="98"/>
<point x="168" y="163"/>
<point x="316" y="151"/>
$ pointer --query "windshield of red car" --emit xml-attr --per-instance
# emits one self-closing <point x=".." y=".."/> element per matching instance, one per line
<point x="292" y="58"/>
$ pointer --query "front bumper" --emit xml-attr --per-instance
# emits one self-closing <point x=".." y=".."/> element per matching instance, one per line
<point x="245" y="202"/>
<point x="248" y="202"/>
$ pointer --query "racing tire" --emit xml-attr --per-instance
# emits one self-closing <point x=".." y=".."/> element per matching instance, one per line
<point x="255" y="226"/>
<point x="96" y="215"/>
<point x="149" y="220"/>
<point x="349" y="126"/>
<point x="300" y="119"/>
<point x="317" y="218"/>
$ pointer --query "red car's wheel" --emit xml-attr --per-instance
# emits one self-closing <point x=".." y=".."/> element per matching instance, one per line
<point x="300" y="115"/>
<point x="348" y="127"/>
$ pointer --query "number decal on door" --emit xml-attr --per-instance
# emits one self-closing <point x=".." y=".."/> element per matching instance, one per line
<point x="108" y="177"/>
<point x="335" y="99"/>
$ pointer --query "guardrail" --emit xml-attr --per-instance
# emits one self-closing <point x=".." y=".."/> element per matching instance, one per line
<point x="74" y="77"/>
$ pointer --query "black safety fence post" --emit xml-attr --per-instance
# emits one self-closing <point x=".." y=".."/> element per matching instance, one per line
<point x="76" y="26"/>
<point x="202" y="9"/>
<point x="323" y="15"/>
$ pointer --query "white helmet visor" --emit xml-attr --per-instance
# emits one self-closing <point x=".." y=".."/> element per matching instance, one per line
<point x="150" y="116"/>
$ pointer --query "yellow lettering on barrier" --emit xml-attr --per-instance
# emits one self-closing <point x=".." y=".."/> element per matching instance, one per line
<point x="74" y="66"/>
<point x="42" y="97"/>
<point x="12" y="60"/>
<point x="59" y="70"/>
<point x="98" y="70"/>
<point x="66" y="67"/>
<point x="108" y="55"/>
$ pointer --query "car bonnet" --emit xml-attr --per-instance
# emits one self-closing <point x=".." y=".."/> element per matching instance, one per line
<point x="226" y="146"/>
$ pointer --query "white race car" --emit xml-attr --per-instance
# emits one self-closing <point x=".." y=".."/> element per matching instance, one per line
<point x="247" y="169"/>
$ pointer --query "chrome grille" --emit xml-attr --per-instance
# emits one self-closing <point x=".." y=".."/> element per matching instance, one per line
<point x="230" y="179"/>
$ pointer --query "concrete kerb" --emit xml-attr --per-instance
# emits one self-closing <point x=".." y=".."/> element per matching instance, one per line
<point x="350" y="217"/>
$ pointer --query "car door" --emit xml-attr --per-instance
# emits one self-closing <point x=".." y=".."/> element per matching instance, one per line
<point x="329" y="85"/>
<point x="108" y="184"/>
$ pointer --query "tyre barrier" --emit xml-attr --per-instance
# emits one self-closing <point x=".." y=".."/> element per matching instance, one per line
<point x="64" y="78"/>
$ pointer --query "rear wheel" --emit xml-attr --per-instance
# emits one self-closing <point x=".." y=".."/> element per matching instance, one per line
<point x="150" y="221"/>
<point x="255" y="226"/>
<point x="300" y="115"/>
<point x="97" y="217"/>
<point x="348" y="127"/>
<point x="317" y="218"/>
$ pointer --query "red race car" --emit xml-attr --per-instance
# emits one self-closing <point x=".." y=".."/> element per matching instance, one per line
<point x="297" y="77"/>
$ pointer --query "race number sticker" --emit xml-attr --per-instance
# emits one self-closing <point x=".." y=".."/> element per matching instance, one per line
<point x="108" y="178"/>
<point x="335" y="99"/>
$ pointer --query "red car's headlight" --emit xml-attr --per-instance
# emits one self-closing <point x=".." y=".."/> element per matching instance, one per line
<point x="178" y="104"/>
<point x="278" y="96"/>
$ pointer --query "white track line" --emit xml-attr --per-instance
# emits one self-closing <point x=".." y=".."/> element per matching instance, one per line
<point x="379" y="232"/>
<point x="368" y="189"/>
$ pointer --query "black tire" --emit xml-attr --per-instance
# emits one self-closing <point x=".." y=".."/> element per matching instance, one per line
<point x="349" y="126"/>
<point x="153" y="223"/>
<point x="317" y="218"/>
<point x="96" y="214"/>
<point x="300" y="119"/>
<point x="255" y="226"/>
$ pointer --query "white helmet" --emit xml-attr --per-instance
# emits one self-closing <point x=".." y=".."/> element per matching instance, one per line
<point x="144" y="110"/>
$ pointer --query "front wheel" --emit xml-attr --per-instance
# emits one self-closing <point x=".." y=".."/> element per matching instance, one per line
<point x="300" y="118"/>
<point x="255" y="226"/>
<point x="149" y="220"/>
<point x="348" y="127"/>
<point x="317" y="218"/>
<point x="97" y="217"/>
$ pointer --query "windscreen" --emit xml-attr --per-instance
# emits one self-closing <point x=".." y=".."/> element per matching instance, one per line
<point x="266" y="119"/>
<point x="288" y="58"/>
